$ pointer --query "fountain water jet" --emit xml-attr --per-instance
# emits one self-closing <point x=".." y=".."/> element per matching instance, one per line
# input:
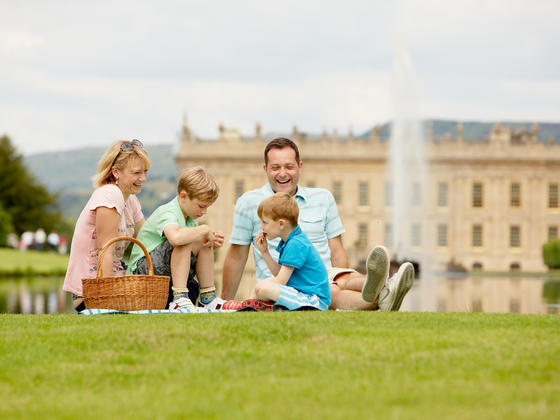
<point x="408" y="169"/>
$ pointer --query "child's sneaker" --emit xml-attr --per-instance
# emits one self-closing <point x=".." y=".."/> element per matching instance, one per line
<point x="182" y="303"/>
<point x="215" y="304"/>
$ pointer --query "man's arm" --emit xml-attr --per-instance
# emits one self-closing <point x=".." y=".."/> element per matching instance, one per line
<point x="234" y="264"/>
<point x="338" y="254"/>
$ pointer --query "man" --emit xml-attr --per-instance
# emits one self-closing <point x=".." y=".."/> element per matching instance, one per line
<point x="320" y="221"/>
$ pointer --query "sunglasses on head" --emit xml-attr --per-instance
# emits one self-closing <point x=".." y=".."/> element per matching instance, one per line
<point x="128" y="146"/>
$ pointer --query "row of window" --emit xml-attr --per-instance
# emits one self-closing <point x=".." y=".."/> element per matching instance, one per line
<point x="477" y="235"/>
<point x="442" y="193"/>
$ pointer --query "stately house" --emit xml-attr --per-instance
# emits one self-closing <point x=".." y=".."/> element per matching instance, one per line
<point x="490" y="204"/>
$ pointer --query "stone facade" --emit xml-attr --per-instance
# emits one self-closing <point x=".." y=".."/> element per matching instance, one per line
<point x="490" y="204"/>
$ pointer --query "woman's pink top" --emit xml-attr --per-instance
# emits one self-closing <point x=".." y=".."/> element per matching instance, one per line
<point x="84" y="252"/>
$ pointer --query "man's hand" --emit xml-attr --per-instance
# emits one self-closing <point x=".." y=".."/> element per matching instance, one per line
<point x="261" y="242"/>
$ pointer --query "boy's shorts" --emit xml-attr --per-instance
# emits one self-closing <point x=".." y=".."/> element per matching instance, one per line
<point x="293" y="299"/>
<point x="161" y="260"/>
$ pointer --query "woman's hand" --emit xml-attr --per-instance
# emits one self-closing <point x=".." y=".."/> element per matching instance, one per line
<point x="262" y="243"/>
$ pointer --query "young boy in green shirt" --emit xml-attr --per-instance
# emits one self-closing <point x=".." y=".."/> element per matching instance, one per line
<point x="178" y="246"/>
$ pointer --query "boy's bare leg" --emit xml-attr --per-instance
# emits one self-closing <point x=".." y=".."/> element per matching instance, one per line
<point x="204" y="265"/>
<point x="267" y="290"/>
<point x="180" y="264"/>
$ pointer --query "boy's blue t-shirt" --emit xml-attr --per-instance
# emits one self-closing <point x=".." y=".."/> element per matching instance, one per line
<point x="310" y="274"/>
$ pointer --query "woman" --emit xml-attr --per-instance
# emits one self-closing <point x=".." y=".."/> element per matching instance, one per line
<point x="112" y="210"/>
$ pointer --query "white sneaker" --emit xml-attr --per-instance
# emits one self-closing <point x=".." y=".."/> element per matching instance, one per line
<point x="182" y="303"/>
<point x="395" y="289"/>
<point x="377" y="266"/>
<point x="214" y="305"/>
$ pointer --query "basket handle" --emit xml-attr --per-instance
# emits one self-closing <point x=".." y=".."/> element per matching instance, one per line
<point x="123" y="238"/>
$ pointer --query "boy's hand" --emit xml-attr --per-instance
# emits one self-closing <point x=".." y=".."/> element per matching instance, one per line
<point x="209" y="240"/>
<point x="261" y="242"/>
<point x="218" y="239"/>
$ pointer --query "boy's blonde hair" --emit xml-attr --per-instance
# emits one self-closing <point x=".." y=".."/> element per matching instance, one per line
<point x="115" y="156"/>
<point x="199" y="184"/>
<point x="280" y="206"/>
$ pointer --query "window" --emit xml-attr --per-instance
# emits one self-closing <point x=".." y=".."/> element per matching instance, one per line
<point x="477" y="235"/>
<point x="442" y="235"/>
<point x="478" y="195"/>
<point x="388" y="194"/>
<point x="552" y="196"/>
<point x="477" y="266"/>
<point x="442" y="194"/>
<point x="514" y="236"/>
<point x="362" y="235"/>
<point x="553" y="232"/>
<point x="416" y="194"/>
<point x="416" y="235"/>
<point x="389" y="234"/>
<point x="364" y="196"/>
<point x="337" y="191"/>
<point x="239" y="189"/>
<point x="311" y="184"/>
<point x="515" y="195"/>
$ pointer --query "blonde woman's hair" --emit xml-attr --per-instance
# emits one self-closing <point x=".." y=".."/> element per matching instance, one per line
<point x="115" y="156"/>
<point x="199" y="184"/>
<point x="280" y="206"/>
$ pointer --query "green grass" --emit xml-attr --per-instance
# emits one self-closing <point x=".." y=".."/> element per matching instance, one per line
<point x="329" y="365"/>
<point x="17" y="263"/>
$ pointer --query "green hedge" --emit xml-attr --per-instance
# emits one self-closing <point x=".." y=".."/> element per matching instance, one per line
<point x="551" y="254"/>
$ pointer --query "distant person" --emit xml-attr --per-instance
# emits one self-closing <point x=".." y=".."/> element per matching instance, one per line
<point x="181" y="248"/>
<point x="27" y="240"/>
<point x="40" y="239"/>
<point x="12" y="240"/>
<point x="53" y="239"/>
<point x="112" y="210"/>
<point x="300" y="278"/>
<point x="319" y="219"/>
<point x="63" y="245"/>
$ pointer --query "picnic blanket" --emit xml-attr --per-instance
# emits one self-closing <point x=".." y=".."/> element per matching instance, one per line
<point x="254" y="305"/>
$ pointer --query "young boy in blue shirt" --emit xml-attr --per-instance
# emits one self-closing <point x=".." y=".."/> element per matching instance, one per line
<point x="300" y="277"/>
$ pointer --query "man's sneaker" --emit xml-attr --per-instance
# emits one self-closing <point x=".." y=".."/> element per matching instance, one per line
<point x="395" y="289"/>
<point x="377" y="266"/>
<point x="182" y="303"/>
<point x="215" y="304"/>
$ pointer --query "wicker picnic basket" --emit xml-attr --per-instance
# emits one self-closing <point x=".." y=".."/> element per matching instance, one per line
<point x="126" y="293"/>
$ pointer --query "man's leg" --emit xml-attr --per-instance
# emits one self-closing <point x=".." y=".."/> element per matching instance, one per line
<point x="346" y="293"/>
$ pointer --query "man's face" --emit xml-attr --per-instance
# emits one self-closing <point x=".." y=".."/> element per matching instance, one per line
<point x="282" y="170"/>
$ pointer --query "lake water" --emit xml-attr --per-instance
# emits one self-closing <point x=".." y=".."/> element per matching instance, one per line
<point x="441" y="293"/>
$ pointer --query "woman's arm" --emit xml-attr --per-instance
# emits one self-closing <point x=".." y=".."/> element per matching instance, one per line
<point x="138" y="226"/>
<point x="106" y="227"/>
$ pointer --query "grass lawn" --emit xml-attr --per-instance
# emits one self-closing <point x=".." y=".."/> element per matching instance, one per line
<point x="314" y="365"/>
<point x="15" y="262"/>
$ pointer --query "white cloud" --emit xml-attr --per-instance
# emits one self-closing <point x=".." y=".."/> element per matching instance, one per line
<point x="14" y="41"/>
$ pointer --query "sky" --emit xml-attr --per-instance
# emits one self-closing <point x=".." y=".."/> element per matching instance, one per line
<point x="81" y="73"/>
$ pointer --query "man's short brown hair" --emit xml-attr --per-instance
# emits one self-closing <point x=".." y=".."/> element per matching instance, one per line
<point x="198" y="184"/>
<point x="280" y="206"/>
<point x="280" y="143"/>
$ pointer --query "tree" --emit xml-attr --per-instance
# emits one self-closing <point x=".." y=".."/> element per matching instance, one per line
<point x="6" y="225"/>
<point x="28" y="202"/>
<point x="551" y="254"/>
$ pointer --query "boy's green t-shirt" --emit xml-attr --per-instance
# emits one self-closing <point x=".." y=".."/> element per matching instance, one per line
<point x="151" y="234"/>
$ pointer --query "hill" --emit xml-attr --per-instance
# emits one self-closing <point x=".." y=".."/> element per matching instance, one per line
<point x="69" y="173"/>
